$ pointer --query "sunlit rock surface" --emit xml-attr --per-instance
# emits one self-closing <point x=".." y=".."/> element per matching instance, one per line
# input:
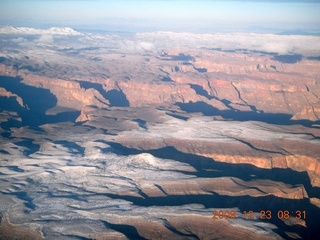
<point x="146" y="136"/>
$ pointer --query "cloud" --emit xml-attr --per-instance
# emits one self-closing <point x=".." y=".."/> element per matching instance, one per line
<point x="282" y="44"/>
<point x="19" y="40"/>
<point x="128" y="46"/>
<point x="147" y="46"/>
<point x="46" y="38"/>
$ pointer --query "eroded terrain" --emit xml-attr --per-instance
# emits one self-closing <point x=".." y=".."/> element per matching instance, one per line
<point x="143" y="136"/>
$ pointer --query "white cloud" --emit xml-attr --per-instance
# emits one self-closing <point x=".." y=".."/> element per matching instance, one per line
<point x="147" y="46"/>
<point x="128" y="46"/>
<point x="46" y="38"/>
<point x="282" y="44"/>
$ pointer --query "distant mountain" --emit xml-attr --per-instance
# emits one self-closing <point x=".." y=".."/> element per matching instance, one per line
<point x="25" y="30"/>
<point x="299" y="32"/>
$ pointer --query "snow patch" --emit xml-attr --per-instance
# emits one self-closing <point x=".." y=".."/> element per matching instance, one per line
<point x="35" y="31"/>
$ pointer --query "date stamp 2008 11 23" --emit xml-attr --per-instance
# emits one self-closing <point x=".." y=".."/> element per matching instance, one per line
<point x="263" y="214"/>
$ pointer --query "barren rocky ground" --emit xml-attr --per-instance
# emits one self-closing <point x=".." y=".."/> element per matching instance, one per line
<point x="145" y="136"/>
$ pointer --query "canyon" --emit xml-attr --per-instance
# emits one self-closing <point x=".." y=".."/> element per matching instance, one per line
<point x="144" y="136"/>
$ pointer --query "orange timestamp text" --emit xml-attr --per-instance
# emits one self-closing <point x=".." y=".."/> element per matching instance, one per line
<point x="263" y="214"/>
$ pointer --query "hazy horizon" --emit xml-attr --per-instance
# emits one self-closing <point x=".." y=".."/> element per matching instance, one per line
<point x="169" y="15"/>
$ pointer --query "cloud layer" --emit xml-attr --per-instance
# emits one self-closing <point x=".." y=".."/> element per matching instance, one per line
<point x="282" y="44"/>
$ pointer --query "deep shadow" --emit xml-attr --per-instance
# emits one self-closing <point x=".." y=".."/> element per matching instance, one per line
<point x="129" y="231"/>
<point x="200" y="91"/>
<point x="63" y="117"/>
<point x="294" y="58"/>
<point x="73" y="147"/>
<point x="208" y="168"/>
<point x="6" y="134"/>
<point x="77" y="237"/>
<point x="16" y="169"/>
<point x="176" y="231"/>
<point x="25" y="197"/>
<point x="96" y="86"/>
<point x="314" y="58"/>
<point x="244" y="50"/>
<point x="36" y="102"/>
<point x="67" y="195"/>
<point x="244" y="203"/>
<point x="187" y="63"/>
<point x="166" y="79"/>
<point x="286" y="58"/>
<point x="4" y="152"/>
<point x="10" y="104"/>
<point x="177" y="116"/>
<point x="28" y="143"/>
<point x="182" y="57"/>
<point x="200" y="70"/>
<point x="193" y="107"/>
<point x="115" y="97"/>
<point x="141" y="123"/>
<point x="236" y="115"/>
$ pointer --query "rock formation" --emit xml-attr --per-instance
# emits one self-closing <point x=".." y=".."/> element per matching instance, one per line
<point x="113" y="137"/>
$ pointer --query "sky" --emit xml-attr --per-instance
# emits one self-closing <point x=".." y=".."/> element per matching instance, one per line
<point x="171" y="15"/>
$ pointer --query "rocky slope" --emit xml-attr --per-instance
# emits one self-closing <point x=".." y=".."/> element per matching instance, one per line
<point x="144" y="137"/>
<point x="233" y="81"/>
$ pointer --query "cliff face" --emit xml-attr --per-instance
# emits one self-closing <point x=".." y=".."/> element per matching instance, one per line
<point x="239" y="86"/>
<point x="5" y="93"/>
<point x="69" y="93"/>
<point x="255" y="147"/>
<point x="219" y="84"/>
<point x="105" y="137"/>
<point x="245" y="83"/>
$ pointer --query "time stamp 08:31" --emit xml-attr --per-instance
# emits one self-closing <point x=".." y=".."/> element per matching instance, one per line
<point x="263" y="214"/>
